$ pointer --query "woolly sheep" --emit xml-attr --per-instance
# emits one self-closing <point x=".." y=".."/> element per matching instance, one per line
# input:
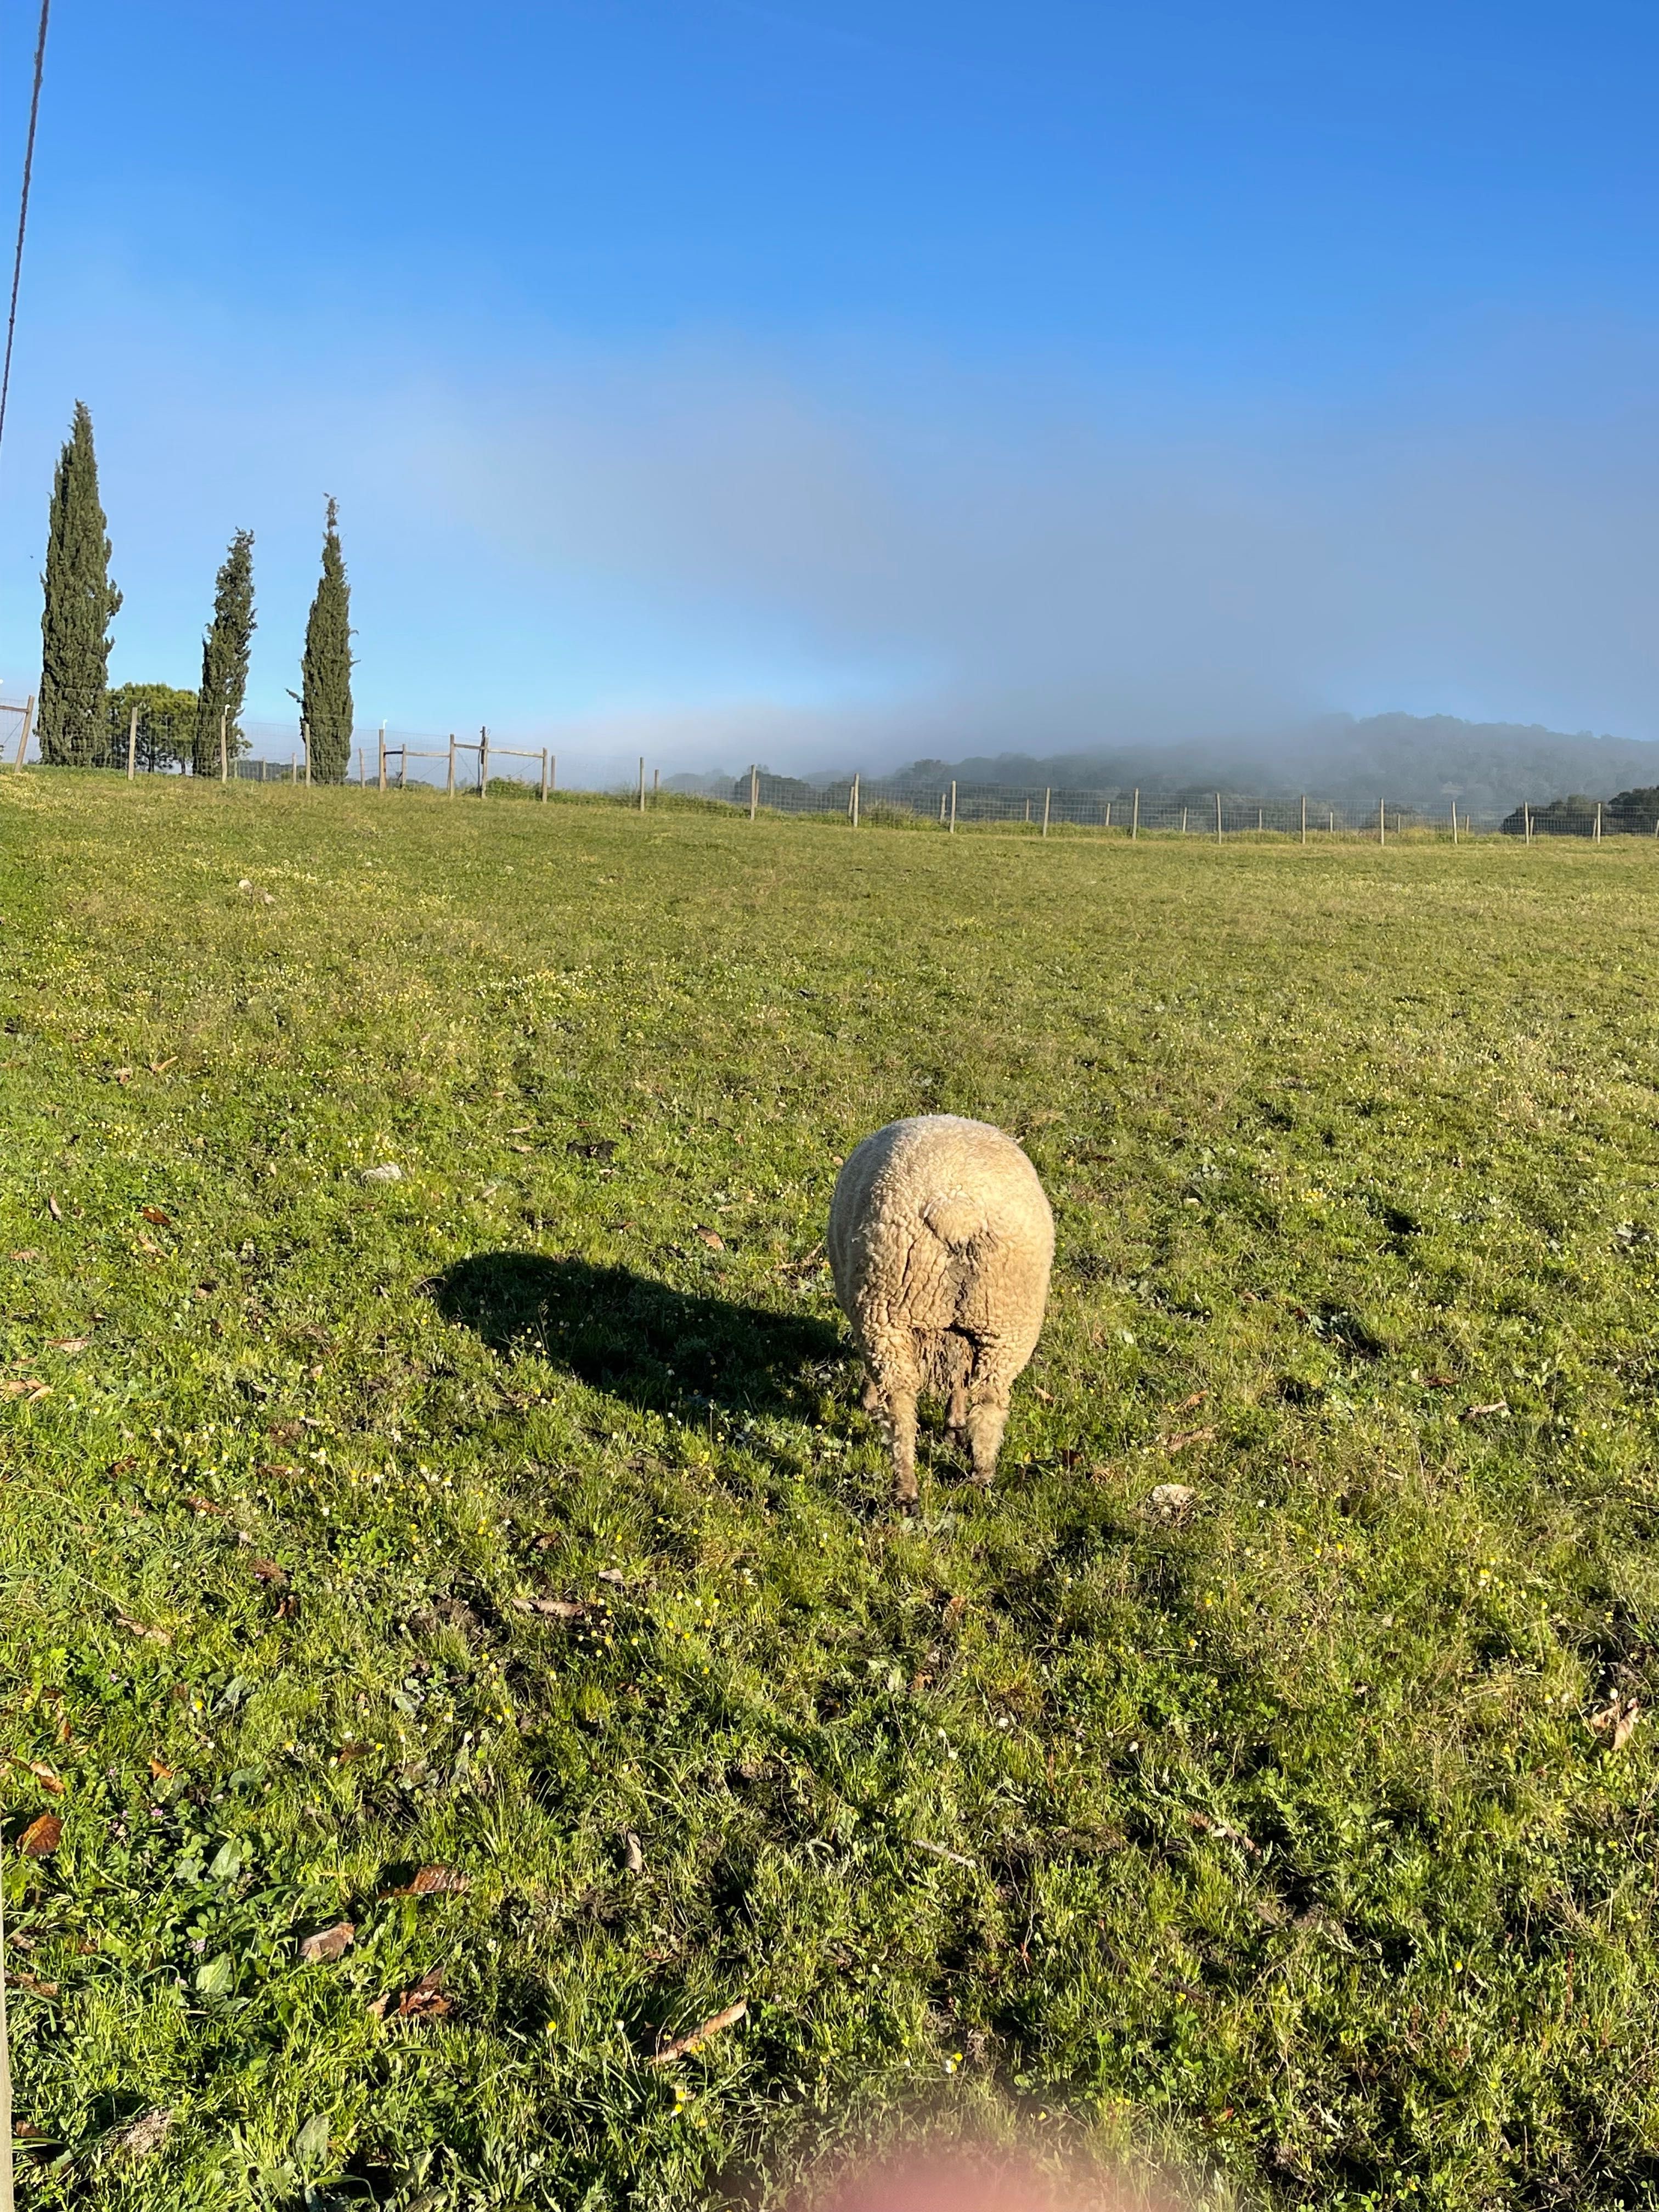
<point x="940" y="1244"/>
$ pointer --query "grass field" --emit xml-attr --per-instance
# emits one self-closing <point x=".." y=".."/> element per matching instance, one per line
<point x="1302" y="1841"/>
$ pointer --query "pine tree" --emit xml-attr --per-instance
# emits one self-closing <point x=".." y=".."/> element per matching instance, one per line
<point x="325" y="670"/>
<point x="80" y="601"/>
<point x="225" y="651"/>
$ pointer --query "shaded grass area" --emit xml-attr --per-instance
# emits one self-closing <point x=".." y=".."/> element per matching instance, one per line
<point x="1284" y="1840"/>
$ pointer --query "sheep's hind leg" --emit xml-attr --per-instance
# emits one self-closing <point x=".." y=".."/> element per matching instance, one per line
<point x="959" y="1352"/>
<point x="900" y="1416"/>
<point x="988" y="1413"/>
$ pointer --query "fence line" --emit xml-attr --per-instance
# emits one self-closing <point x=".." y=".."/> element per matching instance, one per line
<point x="949" y="803"/>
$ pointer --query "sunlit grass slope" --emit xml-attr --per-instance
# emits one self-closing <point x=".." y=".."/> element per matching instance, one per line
<point x="479" y="1520"/>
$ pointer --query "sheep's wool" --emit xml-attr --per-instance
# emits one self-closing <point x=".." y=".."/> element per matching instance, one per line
<point x="940" y="1243"/>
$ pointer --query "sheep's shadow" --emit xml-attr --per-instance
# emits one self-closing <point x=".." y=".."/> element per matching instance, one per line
<point x="641" y="1340"/>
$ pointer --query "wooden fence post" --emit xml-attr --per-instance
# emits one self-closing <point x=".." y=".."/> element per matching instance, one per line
<point x="754" y="790"/>
<point x="1260" y="820"/>
<point x="953" y="806"/>
<point x="1381" y="824"/>
<point x="362" y="777"/>
<point x="1108" y="814"/>
<point x="224" y="747"/>
<point x="641" y="783"/>
<point x="1184" y="821"/>
<point x="1217" y="818"/>
<point x="1048" y="795"/>
<point x="1134" y="818"/>
<point x="1454" y="821"/>
<point x="6" y="2197"/>
<point x="483" y="762"/>
<point x="403" y="765"/>
<point x="1526" y="821"/>
<point x="305" y="740"/>
<point x="449" y="789"/>
<point x="1598" y="820"/>
<point x="28" y="724"/>
<point x="383" y="756"/>
<point x="544" y="776"/>
<point x="132" y="744"/>
<point x="552" y="774"/>
<point x="1304" y="818"/>
<point x="854" y="799"/>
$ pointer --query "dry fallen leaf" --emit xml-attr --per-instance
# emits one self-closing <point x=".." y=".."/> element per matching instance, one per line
<point x="199" y="1504"/>
<point x="54" y="1209"/>
<point x="148" y="1244"/>
<point x="46" y="1778"/>
<point x="682" y="2044"/>
<point x="555" y="1608"/>
<point x="141" y="1628"/>
<point x="158" y="1772"/>
<point x="633" y="1856"/>
<point x="27" y="1252"/>
<point x="144" y="2135"/>
<point x="424" y="2000"/>
<point x="1171" y="1444"/>
<point x="1195" y="1398"/>
<point x="1615" y="1723"/>
<point x="1499" y="1405"/>
<point x="41" y="1836"/>
<point x="712" y="1239"/>
<point x="434" y="1881"/>
<point x="1047" y="1396"/>
<point x="160" y="1066"/>
<point x="155" y="1218"/>
<point x="124" y="1075"/>
<point x="19" y="1980"/>
<point x="510" y="1148"/>
<point x="1439" y="1383"/>
<point x="69" y="1346"/>
<point x="328" y="1943"/>
<point x="267" y="1571"/>
<point x="1171" y="1501"/>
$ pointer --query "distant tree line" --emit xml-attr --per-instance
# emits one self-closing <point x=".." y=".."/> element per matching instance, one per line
<point x="83" y="723"/>
<point x="1627" y="813"/>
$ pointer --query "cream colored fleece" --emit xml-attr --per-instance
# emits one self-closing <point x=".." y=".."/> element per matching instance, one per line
<point x="940" y="1244"/>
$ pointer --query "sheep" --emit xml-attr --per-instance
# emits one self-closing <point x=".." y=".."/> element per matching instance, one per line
<point x="940" y="1244"/>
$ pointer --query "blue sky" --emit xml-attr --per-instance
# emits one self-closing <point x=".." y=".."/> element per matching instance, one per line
<point x="837" y="382"/>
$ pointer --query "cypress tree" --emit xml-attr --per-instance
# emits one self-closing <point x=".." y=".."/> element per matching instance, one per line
<point x="80" y="603"/>
<point x="325" y="669"/>
<point x="225" y="651"/>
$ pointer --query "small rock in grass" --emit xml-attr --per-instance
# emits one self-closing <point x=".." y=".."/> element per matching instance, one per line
<point x="1171" y="1501"/>
<point x="389" y="1173"/>
<point x="633" y="1856"/>
<point x="144" y="2135"/>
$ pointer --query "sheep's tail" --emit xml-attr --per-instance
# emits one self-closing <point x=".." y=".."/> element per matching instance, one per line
<point x="955" y="1219"/>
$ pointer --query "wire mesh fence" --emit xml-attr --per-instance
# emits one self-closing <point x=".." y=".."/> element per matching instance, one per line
<point x="152" y="743"/>
<point x="1049" y="809"/>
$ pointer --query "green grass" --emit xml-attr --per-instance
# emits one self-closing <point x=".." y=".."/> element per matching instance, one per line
<point x="1276" y="1842"/>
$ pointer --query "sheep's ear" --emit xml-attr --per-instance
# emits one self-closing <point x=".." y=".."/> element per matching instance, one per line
<point x="955" y="1219"/>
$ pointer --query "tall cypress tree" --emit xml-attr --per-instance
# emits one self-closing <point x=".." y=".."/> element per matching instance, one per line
<point x="81" y="602"/>
<point x="325" y="669"/>
<point x="225" y="651"/>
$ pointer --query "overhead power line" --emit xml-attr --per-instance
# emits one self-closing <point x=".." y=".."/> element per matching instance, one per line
<point x="23" y="210"/>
